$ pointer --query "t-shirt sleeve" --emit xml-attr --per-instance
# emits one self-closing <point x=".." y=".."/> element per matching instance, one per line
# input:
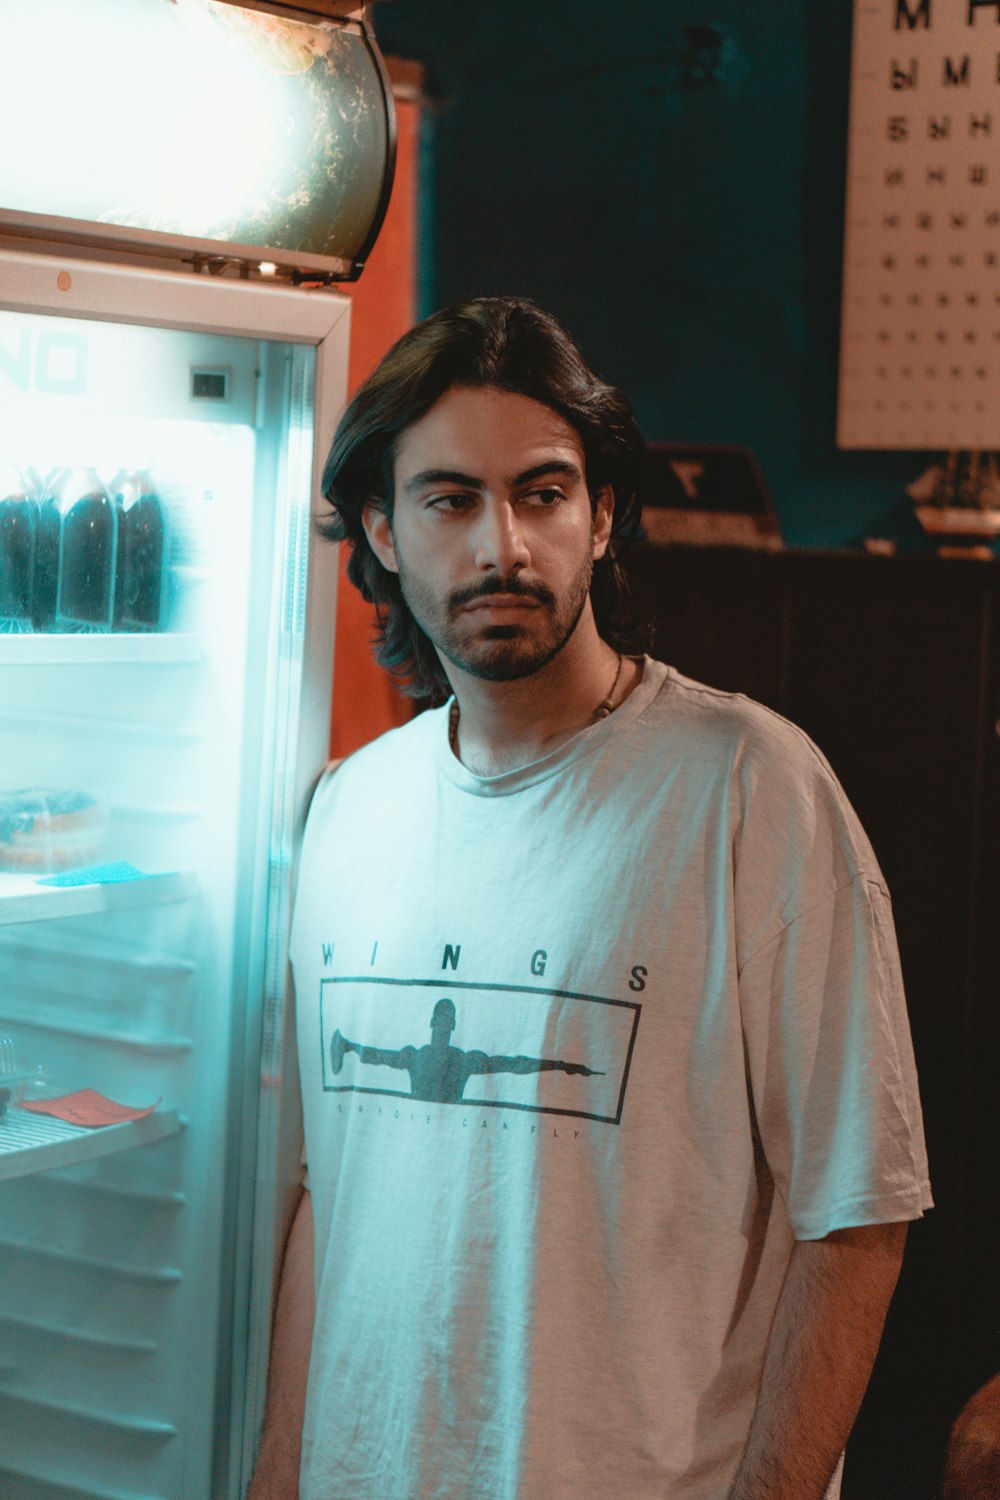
<point x="830" y="1066"/>
<point x="318" y="792"/>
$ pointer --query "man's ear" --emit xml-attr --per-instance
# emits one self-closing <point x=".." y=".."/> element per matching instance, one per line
<point x="379" y="534"/>
<point x="603" y="516"/>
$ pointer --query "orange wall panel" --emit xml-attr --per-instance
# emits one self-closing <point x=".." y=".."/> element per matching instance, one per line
<point x="365" y="701"/>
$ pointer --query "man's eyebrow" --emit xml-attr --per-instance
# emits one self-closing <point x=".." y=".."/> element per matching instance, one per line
<point x="428" y="477"/>
<point x="441" y="476"/>
<point x="553" y="466"/>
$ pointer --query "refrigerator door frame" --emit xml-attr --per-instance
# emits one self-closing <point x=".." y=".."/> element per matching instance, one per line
<point x="261" y="1171"/>
<point x="67" y="287"/>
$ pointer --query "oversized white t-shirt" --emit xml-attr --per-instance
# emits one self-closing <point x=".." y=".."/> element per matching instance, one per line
<point x="584" y="1047"/>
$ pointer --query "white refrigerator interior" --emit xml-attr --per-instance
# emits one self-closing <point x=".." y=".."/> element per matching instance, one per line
<point x="167" y="746"/>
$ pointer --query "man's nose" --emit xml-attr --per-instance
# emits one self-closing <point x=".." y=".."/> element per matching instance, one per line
<point x="500" y="541"/>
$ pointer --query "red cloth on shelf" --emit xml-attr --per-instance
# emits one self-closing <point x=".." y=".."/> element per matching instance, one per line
<point x="87" y="1107"/>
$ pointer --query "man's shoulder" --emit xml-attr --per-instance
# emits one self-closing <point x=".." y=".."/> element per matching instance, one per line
<point x="778" y="778"/>
<point x="736" y="724"/>
<point x="414" y="738"/>
<point x="382" y="761"/>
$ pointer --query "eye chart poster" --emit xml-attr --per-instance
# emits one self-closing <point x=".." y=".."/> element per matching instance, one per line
<point x="920" y="331"/>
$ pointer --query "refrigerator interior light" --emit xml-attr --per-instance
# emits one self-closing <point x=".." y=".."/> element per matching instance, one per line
<point x="187" y="127"/>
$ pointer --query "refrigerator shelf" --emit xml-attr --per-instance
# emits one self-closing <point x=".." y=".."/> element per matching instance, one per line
<point x="127" y="731"/>
<point x="120" y="1422"/>
<point x="111" y="647"/>
<point x="64" y="1489"/>
<point x="23" y="899"/>
<point x="130" y="1191"/>
<point x="171" y="1044"/>
<point x="154" y="1276"/>
<point x="33" y="1143"/>
<point x="85" y="1337"/>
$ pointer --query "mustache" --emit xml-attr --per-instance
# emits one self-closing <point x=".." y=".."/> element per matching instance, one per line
<point x="462" y="597"/>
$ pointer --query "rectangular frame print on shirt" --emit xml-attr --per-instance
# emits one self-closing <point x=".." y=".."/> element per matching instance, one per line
<point x="546" y="1051"/>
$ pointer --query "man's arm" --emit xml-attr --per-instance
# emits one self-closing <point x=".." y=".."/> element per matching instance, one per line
<point x="388" y="1057"/>
<point x="820" y="1352"/>
<point x="276" y="1476"/>
<point x="972" y="1466"/>
<point x="479" y="1062"/>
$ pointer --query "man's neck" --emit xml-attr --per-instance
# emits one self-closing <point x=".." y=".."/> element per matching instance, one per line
<point x="504" y="725"/>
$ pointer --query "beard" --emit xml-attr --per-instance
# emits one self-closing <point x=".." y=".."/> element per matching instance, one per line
<point x="498" y="652"/>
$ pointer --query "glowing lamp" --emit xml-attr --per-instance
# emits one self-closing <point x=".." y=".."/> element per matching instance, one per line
<point x="197" y="129"/>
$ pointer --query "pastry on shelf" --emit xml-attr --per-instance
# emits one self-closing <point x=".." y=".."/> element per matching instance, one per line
<point x="42" y="829"/>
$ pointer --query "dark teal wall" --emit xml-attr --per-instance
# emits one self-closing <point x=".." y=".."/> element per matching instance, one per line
<point x="687" y="232"/>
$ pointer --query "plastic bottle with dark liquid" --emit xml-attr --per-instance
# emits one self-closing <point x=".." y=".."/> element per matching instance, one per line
<point x="141" y="603"/>
<point x="88" y="552"/>
<point x="18" y="533"/>
<point x="43" y="603"/>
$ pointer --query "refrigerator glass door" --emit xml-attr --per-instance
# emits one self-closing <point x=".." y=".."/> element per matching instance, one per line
<point x="155" y="551"/>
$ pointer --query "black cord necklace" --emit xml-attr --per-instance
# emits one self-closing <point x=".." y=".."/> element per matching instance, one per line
<point x="605" y="707"/>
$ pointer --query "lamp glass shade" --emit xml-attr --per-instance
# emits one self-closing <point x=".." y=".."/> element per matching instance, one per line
<point x="186" y="125"/>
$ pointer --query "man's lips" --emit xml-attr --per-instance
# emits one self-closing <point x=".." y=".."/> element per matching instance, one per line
<point x="501" y="602"/>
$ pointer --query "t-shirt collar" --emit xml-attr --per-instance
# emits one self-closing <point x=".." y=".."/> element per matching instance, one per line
<point x="584" y="742"/>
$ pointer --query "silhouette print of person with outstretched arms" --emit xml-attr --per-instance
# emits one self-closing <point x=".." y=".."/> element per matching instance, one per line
<point x="438" y="1071"/>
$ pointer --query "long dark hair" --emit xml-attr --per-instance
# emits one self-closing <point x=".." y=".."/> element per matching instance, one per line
<point x="505" y="342"/>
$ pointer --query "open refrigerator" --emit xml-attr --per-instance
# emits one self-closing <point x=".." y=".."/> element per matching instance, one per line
<point x="174" y="754"/>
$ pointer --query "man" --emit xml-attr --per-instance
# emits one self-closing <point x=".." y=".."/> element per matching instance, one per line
<point x="438" y="1070"/>
<point x="972" y="1464"/>
<point x="661" y="1274"/>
